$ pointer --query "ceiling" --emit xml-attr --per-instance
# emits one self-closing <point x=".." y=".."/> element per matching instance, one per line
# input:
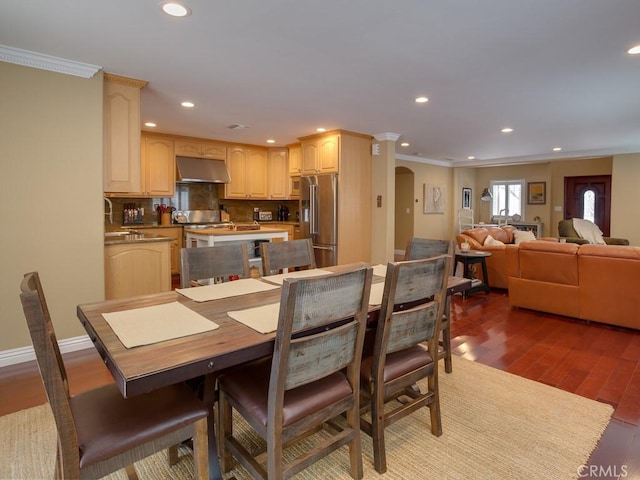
<point x="556" y="71"/>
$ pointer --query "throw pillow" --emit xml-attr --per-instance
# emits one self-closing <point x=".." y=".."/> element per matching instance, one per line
<point x="490" y="241"/>
<point x="520" y="236"/>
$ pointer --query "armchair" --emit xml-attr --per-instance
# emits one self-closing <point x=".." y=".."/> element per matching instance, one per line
<point x="566" y="231"/>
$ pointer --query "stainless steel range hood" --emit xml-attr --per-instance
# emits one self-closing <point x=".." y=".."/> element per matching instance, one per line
<point x="201" y="170"/>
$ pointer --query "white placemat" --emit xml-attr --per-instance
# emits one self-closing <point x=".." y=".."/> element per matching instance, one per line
<point x="262" y="319"/>
<point x="377" y="289"/>
<point x="278" y="279"/>
<point x="226" y="289"/>
<point x="380" y="270"/>
<point x="147" y="325"/>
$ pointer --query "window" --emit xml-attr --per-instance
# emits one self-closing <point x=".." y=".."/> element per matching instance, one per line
<point x="589" y="206"/>
<point x="508" y="199"/>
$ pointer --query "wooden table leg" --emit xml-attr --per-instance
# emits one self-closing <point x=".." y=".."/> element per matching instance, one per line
<point x="209" y="398"/>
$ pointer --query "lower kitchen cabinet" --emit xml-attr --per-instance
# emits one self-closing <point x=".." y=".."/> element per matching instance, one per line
<point x="137" y="268"/>
<point x="176" y="244"/>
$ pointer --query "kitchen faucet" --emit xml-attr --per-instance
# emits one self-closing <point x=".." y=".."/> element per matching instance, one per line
<point x="110" y="212"/>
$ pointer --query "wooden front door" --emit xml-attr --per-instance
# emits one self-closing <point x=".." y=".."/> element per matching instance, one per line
<point x="577" y="189"/>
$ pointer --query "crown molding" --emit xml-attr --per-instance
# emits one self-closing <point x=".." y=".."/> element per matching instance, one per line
<point x="47" y="62"/>
<point x="382" y="137"/>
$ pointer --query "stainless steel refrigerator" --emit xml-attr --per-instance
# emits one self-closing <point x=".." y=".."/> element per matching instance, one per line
<point x="319" y="216"/>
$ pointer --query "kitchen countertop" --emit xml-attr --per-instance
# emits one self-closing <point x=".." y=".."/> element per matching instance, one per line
<point x="122" y="238"/>
<point x="221" y="232"/>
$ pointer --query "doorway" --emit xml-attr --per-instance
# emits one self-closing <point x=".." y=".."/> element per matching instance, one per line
<point x="589" y="197"/>
<point x="404" y="209"/>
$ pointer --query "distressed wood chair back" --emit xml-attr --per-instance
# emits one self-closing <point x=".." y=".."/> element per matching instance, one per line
<point x="90" y="446"/>
<point x="405" y="284"/>
<point x="316" y="305"/>
<point x="418" y="248"/>
<point x="293" y="254"/>
<point x="52" y="369"/>
<point x="203" y="263"/>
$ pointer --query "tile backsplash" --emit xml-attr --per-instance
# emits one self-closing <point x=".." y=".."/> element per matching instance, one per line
<point x="197" y="196"/>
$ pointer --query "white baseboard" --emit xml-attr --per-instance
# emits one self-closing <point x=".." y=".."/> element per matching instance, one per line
<point x="26" y="354"/>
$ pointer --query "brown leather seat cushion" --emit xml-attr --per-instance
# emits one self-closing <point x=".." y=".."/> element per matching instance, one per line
<point x="109" y="424"/>
<point x="249" y="385"/>
<point x="399" y="363"/>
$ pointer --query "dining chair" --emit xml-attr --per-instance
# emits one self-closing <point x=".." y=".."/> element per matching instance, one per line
<point x="310" y="382"/>
<point x="418" y="248"/>
<point x="405" y="350"/>
<point x="201" y="263"/>
<point x="99" y="431"/>
<point x="293" y="254"/>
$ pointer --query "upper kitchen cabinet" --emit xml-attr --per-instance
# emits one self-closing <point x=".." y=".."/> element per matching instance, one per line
<point x="121" y="142"/>
<point x="278" y="174"/>
<point x="320" y="154"/>
<point x="187" y="148"/>
<point x="248" y="169"/>
<point x="295" y="159"/>
<point x="158" y="166"/>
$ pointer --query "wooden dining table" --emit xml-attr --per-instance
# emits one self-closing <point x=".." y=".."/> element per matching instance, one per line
<point x="148" y="367"/>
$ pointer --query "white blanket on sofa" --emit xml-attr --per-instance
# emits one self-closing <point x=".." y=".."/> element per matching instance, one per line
<point x="588" y="231"/>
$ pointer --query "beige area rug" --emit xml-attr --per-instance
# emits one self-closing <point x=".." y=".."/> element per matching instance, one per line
<point x="496" y="426"/>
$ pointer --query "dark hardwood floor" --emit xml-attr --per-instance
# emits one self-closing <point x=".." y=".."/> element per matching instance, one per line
<point x="595" y="361"/>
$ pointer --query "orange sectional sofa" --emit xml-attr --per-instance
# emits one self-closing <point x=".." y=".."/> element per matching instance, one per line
<point x="497" y="262"/>
<point x="589" y="282"/>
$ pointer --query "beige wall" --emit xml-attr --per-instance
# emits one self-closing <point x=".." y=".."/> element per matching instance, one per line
<point x="51" y="194"/>
<point x="437" y="226"/>
<point x="624" y="197"/>
<point x="405" y="208"/>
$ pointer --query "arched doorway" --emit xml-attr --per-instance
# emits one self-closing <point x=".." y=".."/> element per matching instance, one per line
<point x="405" y="207"/>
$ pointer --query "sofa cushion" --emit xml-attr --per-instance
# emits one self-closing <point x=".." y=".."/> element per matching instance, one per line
<point x="523" y="236"/>
<point x="549" y="262"/>
<point x="491" y="242"/>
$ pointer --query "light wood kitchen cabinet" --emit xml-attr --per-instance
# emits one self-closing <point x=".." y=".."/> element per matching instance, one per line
<point x="158" y="167"/>
<point x="248" y="169"/>
<point x="278" y="174"/>
<point x="188" y="148"/>
<point x="176" y="234"/>
<point x="121" y="134"/>
<point x="289" y="227"/>
<point x="136" y="269"/>
<point x="321" y="154"/>
<point x="295" y="159"/>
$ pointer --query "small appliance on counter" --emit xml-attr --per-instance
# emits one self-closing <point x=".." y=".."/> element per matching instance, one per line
<point x="132" y="214"/>
<point x="265" y="216"/>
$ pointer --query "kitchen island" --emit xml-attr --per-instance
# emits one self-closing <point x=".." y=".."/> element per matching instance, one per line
<point x="209" y="237"/>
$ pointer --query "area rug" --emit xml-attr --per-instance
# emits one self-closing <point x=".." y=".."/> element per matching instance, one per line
<point x="495" y="426"/>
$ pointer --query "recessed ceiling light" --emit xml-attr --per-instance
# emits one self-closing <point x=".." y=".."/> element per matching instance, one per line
<point x="188" y="104"/>
<point x="634" y="50"/>
<point x="471" y="157"/>
<point x="321" y="129"/>
<point x="271" y="141"/>
<point x="557" y="149"/>
<point x="150" y="124"/>
<point x="421" y="100"/>
<point x="507" y="130"/>
<point x="176" y="9"/>
<point x="404" y="144"/>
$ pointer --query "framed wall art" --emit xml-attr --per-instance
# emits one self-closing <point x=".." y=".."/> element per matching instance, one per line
<point x="466" y="197"/>
<point x="434" y="198"/>
<point x="536" y="193"/>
